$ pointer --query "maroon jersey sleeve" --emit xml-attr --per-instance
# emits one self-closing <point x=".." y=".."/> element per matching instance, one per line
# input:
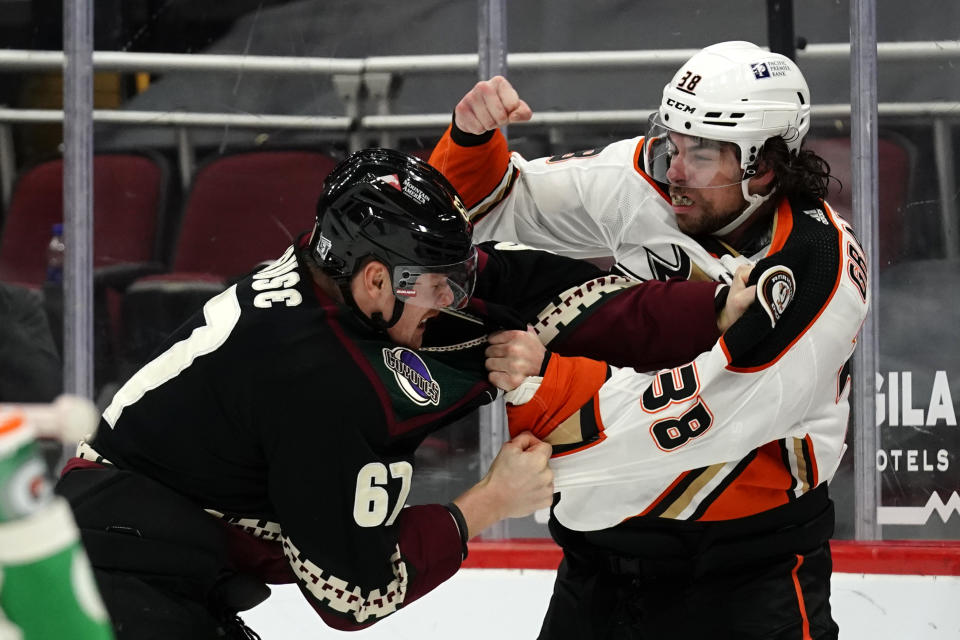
<point x="648" y="326"/>
<point x="430" y="548"/>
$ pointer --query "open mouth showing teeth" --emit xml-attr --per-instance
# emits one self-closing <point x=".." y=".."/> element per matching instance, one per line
<point x="680" y="200"/>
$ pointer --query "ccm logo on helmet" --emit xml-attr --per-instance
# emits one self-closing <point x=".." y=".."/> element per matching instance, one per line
<point x="676" y="104"/>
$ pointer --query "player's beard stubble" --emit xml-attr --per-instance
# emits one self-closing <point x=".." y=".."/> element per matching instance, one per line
<point x="706" y="212"/>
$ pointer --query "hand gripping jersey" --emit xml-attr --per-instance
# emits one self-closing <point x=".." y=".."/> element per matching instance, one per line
<point x="278" y="412"/>
<point x="749" y="426"/>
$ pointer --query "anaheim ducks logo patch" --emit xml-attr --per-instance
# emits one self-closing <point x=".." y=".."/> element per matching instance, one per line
<point x="775" y="290"/>
<point x="412" y="375"/>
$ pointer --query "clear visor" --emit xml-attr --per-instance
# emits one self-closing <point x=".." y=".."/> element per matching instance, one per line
<point x="447" y="286"/>
<point x="690" y="161"/>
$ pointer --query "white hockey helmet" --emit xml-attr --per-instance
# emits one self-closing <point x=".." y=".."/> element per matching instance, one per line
<point x="731" y="92"/>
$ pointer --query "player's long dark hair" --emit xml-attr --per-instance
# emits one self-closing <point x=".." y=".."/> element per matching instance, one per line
<point x="804" y="173"/>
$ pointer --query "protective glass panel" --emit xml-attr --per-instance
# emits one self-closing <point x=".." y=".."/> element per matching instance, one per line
<point x="918" y="381"/>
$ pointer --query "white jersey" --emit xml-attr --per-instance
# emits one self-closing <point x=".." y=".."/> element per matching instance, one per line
<point x="748" y="426"/>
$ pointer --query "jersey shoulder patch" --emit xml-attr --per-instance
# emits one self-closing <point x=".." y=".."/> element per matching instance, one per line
<point x="795" y="283"/>
<point x="775" y="289"/>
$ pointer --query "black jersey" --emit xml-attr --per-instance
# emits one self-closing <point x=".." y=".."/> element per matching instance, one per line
<point x="279" y="411"/>
<point x="276" y="409"/>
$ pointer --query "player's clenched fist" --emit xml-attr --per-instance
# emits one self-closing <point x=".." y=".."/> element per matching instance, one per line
<point x="520" y="476"/>
<point x="512" y="356"/>
<point x="490" y="104"/>
<point x="518" y="483"/>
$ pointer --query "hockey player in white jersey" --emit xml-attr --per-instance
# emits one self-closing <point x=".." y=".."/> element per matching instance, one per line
<point x="691" y="502"/>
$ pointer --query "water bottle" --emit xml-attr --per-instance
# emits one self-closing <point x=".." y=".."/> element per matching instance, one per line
<point x="47" y="588"/>
<point x="55" y="251"/>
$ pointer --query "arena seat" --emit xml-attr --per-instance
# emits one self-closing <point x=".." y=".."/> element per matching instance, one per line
<point x="247" y="207"/>
<point x="129" y="201"/>
<point x="131" y="191"/>
<point x="895" y="163"/>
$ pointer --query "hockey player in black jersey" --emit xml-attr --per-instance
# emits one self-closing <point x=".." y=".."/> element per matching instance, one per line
<point x="272" y="439"/>
<point x="274" y="435"/>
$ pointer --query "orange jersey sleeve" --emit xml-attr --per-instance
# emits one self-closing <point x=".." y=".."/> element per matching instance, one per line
<point x="475" y="165"/>
<point x="568" y="384"/>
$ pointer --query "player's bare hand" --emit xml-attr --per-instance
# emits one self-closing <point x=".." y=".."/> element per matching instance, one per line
<point x="512" y="356"/>
<point x="738" y="299"/>
<point x="520" y="478"/>
<point x="490" y="104"/>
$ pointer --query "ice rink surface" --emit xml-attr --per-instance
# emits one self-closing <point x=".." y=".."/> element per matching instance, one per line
<point x="478" y="604"/>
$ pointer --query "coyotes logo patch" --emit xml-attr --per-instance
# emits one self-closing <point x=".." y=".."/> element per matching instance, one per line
<point x="412" y="375"/>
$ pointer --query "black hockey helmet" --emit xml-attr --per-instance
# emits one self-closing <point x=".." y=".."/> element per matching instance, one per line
<point x="396" y="209"/>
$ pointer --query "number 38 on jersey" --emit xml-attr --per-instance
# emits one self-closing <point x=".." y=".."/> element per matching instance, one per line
<point x="677" y="386"/>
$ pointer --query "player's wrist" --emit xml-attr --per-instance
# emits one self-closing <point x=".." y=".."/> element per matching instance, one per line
<point x="466" y="139"/>
<point x="481" y="506"/>
<point x="462" y="528"/>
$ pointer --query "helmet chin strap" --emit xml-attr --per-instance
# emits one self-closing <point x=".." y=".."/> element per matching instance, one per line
<point x="754" y="200"/>
<point x="376" y="318"/>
